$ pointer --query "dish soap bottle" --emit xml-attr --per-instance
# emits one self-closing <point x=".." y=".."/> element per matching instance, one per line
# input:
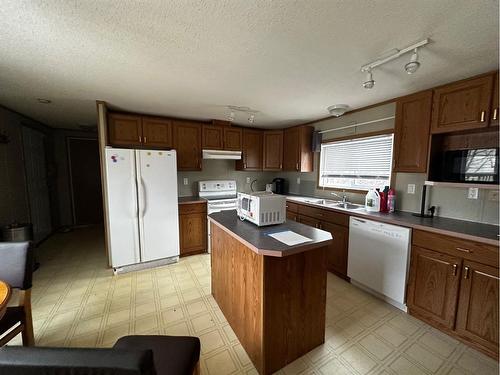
<point x="391" y="200"/>
<point x="372" y="201"/>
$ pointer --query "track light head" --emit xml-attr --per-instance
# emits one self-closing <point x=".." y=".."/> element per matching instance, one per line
<point x="251" y="119"/>
<point x="412" y="66"/>
<point x="369" y="82"/>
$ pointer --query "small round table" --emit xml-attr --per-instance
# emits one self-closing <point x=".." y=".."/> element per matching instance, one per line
<point x="4" y="297"/>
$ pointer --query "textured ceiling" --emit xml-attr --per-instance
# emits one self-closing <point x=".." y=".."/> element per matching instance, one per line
<point x="287" y="59"/>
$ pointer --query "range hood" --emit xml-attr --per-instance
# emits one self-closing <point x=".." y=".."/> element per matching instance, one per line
<point x="221" y="154"/>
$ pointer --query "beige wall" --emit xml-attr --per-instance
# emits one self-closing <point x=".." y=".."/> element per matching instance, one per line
<point x="221" y="170"/>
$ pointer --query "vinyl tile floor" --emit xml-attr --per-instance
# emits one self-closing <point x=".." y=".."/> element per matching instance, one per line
<point x="77" y="302"/>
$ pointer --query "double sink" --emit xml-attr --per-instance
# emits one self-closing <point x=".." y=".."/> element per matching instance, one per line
<point x="329" y="203"/>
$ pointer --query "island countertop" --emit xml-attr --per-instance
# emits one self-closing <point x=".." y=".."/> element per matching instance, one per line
<point x="258" y="239"/>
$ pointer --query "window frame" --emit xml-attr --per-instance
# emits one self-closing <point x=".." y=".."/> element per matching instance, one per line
<point x="357" y="136"/>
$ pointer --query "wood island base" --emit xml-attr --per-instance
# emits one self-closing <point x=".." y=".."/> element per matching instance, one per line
<point x="275" y="305"/>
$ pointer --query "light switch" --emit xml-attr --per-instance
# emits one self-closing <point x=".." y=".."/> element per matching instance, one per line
<point x="411" y="189"/>
<point x="473" y="193"/>
<point x="186" y="181"/>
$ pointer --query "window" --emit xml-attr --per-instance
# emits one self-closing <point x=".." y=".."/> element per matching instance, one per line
<point x="360" y="164"/>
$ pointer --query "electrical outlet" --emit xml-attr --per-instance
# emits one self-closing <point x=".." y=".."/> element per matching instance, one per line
<point x="248" y="180"/>
<point x="411" y="189"/>
<point x="298" y="180"/>
<point x="472" y="193"/>
<point x="186" y="181"/>
<point x="493" y="195"/>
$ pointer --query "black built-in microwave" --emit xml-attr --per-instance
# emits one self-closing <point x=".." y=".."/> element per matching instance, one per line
<point x="479" y="165"/>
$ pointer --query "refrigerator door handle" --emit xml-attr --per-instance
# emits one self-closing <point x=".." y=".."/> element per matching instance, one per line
<point x="144" y="198"/>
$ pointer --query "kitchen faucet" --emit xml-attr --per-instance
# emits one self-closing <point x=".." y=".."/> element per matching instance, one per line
<point x="343" y="197"/>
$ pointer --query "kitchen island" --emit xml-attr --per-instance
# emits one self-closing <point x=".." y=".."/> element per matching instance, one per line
<point x="273" y="295"/>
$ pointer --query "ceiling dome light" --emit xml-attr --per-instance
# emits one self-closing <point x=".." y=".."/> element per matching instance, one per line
<point x="369" y="82"/>
<point x="338" y="110"/>
<point x="413" y="65"/>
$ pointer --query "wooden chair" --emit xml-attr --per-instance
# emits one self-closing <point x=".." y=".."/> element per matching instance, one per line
<point x="16" y="268"/>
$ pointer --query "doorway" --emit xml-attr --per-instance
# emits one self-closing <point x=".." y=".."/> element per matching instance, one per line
<point x="85" y="180"/>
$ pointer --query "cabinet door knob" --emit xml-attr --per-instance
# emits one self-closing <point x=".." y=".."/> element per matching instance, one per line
<point x="483" y="116"/>
<point x="454" y="270"/>
<point x="466" y="273"/>
<point x="495" y="113"/>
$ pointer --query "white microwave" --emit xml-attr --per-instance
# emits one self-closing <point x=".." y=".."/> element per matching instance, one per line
<point x="262" y="208"/>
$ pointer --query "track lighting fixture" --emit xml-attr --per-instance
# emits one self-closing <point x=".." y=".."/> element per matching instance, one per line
<point x="236" y="111"/>
<point x="369" y="82"/>
<point x="413" y="65"/>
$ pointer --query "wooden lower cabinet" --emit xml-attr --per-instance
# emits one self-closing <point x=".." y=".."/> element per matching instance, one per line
<point x="193" y="228"/>
<point x="453" y="293"/>
<point x="477" y="317"/>
<point x="434" y="283"/>
<point x="309" y="221"/>
<point x="338" y="249"/>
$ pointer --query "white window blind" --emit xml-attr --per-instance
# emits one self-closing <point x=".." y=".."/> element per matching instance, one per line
<point x="360" y="164"/>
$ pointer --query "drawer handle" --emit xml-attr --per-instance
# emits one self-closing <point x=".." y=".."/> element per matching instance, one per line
<point x="483" y="116"/>
<point x="466" y="274"/>
<point x="464" y="250"/>
<point x="454" y="270"/>
<point x="495" y="113"/>
<point x="297" y="166"/>
<point x="145" y="139"/>
<point x="140" y="139"/>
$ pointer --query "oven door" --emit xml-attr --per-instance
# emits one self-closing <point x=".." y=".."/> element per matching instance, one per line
<point x="214" y="207"/>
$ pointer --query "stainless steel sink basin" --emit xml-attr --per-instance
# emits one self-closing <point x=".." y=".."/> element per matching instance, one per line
<point x="348" y="206"/>
<point x="320" y="201"/>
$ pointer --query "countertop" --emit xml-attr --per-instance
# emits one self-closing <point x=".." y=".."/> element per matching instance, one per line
<point x="258" y="240"/>
<point x="484" y="233"/>
<point x="191" y="199"/>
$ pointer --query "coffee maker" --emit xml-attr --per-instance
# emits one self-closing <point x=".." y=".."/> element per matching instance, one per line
<point x="278" y="185"/>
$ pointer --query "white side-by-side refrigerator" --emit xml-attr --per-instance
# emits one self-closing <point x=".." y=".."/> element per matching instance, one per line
<point x="143" y="223"/>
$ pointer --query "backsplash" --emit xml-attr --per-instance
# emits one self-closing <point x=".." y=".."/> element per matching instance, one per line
<point x="214" y="169"/>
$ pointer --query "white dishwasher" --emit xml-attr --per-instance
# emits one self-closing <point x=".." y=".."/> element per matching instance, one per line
<point x="379" y="258"/>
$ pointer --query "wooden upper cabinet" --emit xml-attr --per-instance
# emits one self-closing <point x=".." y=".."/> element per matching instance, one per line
<point x="273" y="150"/>
<point x="462" y="105"/>
<point x="157" y="132"/>
<point x="232" y="138"/>
<point x="252" y="151"/>
<point x="213" y="137"/>
<point x="413" y="117"/>
<point x="187" y="142"/>
<point x="433" y="287"/>
<point x="477" y="318"/>
<point x="297" y="151"/>
<point x="125" y="130"/>
<point x="495" y="110"/>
